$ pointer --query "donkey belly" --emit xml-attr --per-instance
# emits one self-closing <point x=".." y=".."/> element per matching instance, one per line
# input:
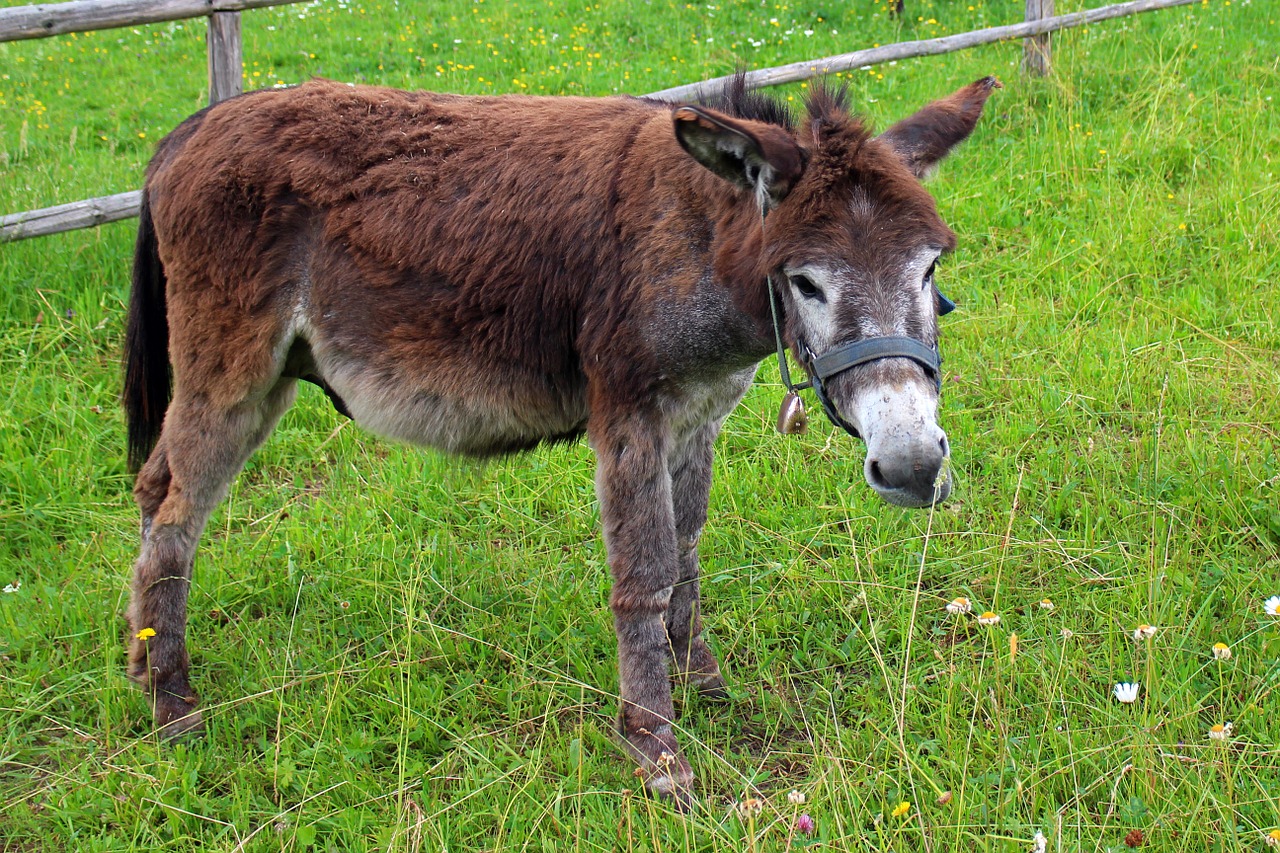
<point x="483" y="415"/>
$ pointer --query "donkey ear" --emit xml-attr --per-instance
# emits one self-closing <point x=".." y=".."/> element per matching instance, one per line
<point x="750" y="155"/>
<point x="922" y="140"/>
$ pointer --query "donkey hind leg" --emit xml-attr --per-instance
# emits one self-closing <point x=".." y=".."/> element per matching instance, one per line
<point x="692" y="661"/>
<point x="634" y="486"/>
<point x="201" y="449"/>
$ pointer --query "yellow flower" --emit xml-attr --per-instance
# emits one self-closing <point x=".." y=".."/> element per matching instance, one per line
<point x="1046" y="604"/>
<point x="901" y="809"/>
<point x="959" y="605"/>
<point x="1273" y="838"/>
<point x="988" y="618"/>
<point x="145" y="634"/>
<point x="1220" y="731"/>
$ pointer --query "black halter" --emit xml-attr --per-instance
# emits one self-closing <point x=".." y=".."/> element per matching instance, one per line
<point x="823" y="367"/>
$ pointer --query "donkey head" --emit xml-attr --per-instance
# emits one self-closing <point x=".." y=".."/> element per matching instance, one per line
<point x="851" y="241"/>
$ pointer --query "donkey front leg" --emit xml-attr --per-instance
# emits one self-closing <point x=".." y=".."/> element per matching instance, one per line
<point x="633" y="482"/>
<point x="690" y="491"/>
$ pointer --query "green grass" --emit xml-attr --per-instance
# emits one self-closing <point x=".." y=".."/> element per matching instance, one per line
<point x="403" y="652"/>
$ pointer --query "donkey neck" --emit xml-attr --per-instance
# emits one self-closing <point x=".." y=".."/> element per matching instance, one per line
<point x="712" y="232"/>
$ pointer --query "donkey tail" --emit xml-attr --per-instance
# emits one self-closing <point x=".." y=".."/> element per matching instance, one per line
<point x="148" y="379"/>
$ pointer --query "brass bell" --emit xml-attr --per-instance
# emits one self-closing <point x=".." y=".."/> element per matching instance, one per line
<point x="792" y="419"/>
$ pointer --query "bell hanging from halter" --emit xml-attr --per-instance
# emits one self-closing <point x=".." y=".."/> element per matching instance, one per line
<point x="792" y="419"/>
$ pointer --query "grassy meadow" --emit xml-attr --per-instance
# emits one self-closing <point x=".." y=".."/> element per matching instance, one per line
<point x="403" y="652"/>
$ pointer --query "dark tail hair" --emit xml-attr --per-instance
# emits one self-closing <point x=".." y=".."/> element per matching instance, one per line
<point x="148" y="379"/>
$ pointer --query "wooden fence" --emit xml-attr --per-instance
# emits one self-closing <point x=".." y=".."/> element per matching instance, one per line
<point x="25" y="22"/>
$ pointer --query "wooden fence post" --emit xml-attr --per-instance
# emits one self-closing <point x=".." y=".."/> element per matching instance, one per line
<point x="1036" y="52"/>
<point x="225" y="56"/>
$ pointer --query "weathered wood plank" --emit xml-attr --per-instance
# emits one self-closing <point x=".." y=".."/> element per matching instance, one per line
<point x="68" y="217"/>
<point x="797" y="71"/>
<point x="76" y="16"/>
<point x="1036" y="51"/>
<point x="225" y="79"/>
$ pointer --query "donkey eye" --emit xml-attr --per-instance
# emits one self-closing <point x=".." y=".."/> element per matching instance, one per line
<point x="807" y="288"/>
<point x="928" y="275"/>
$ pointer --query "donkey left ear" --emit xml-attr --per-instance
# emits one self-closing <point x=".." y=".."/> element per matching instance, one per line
<point x="751" y="155"/>
<point x="922" y="140"/>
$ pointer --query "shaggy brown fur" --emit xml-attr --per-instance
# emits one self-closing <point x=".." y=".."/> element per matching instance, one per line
<point x="485" y="274"/>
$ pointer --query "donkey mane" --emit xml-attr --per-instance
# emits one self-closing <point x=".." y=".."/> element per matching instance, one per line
<point x="824" y="103"/>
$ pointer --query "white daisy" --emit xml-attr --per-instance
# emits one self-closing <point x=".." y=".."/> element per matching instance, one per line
<point x="1220" y="731"/>
<point x="1126" y="692"/>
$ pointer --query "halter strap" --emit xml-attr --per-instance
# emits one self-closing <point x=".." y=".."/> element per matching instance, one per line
<point x="872" y="349"/>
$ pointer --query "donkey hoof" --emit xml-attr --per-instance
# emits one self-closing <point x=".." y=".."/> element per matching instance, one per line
<point x="177" y="718"/>
<point x="681" y="799"/>
<point x="711" y="687"/>
<point x="674" y="788"/>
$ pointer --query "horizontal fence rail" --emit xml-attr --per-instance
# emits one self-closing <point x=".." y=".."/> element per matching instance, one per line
<point x="97" y="211"/>
<point x="797" y="71"/>
<point x="70" y="217"/>
<point x="78" y="16"/>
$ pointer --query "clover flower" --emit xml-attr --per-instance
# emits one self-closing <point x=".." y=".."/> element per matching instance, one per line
<point x="796" y="798"/>
<point x="989" y="618"/>
<point x="750" y="807"/>
<point x="1127" y="692"/>
<point x="804" y="825"/>
<point x="1272" y="605"/>
<point x="959" y="605"/>
<point x="1143" y="632"/>
<point x="1039" y="844"/>
<point x="1221" y="651"/>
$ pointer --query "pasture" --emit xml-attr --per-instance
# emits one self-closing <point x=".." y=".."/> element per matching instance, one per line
<point x="400" y="651"/>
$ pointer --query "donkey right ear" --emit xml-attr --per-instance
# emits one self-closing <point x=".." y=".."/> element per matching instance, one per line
<point x="749" y="155"/>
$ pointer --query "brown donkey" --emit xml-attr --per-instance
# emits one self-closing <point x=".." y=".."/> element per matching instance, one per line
<point x="483" y="274"/>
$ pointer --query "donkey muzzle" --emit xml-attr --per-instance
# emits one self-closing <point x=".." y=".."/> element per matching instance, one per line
<point x="907" y="452"/>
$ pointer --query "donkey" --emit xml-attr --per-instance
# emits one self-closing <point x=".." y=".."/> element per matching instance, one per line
<point x="484" y="274"/>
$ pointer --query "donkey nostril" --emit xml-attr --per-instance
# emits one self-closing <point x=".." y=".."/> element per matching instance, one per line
<point x="946" y="448"/>
<point x="877" y="477"/>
